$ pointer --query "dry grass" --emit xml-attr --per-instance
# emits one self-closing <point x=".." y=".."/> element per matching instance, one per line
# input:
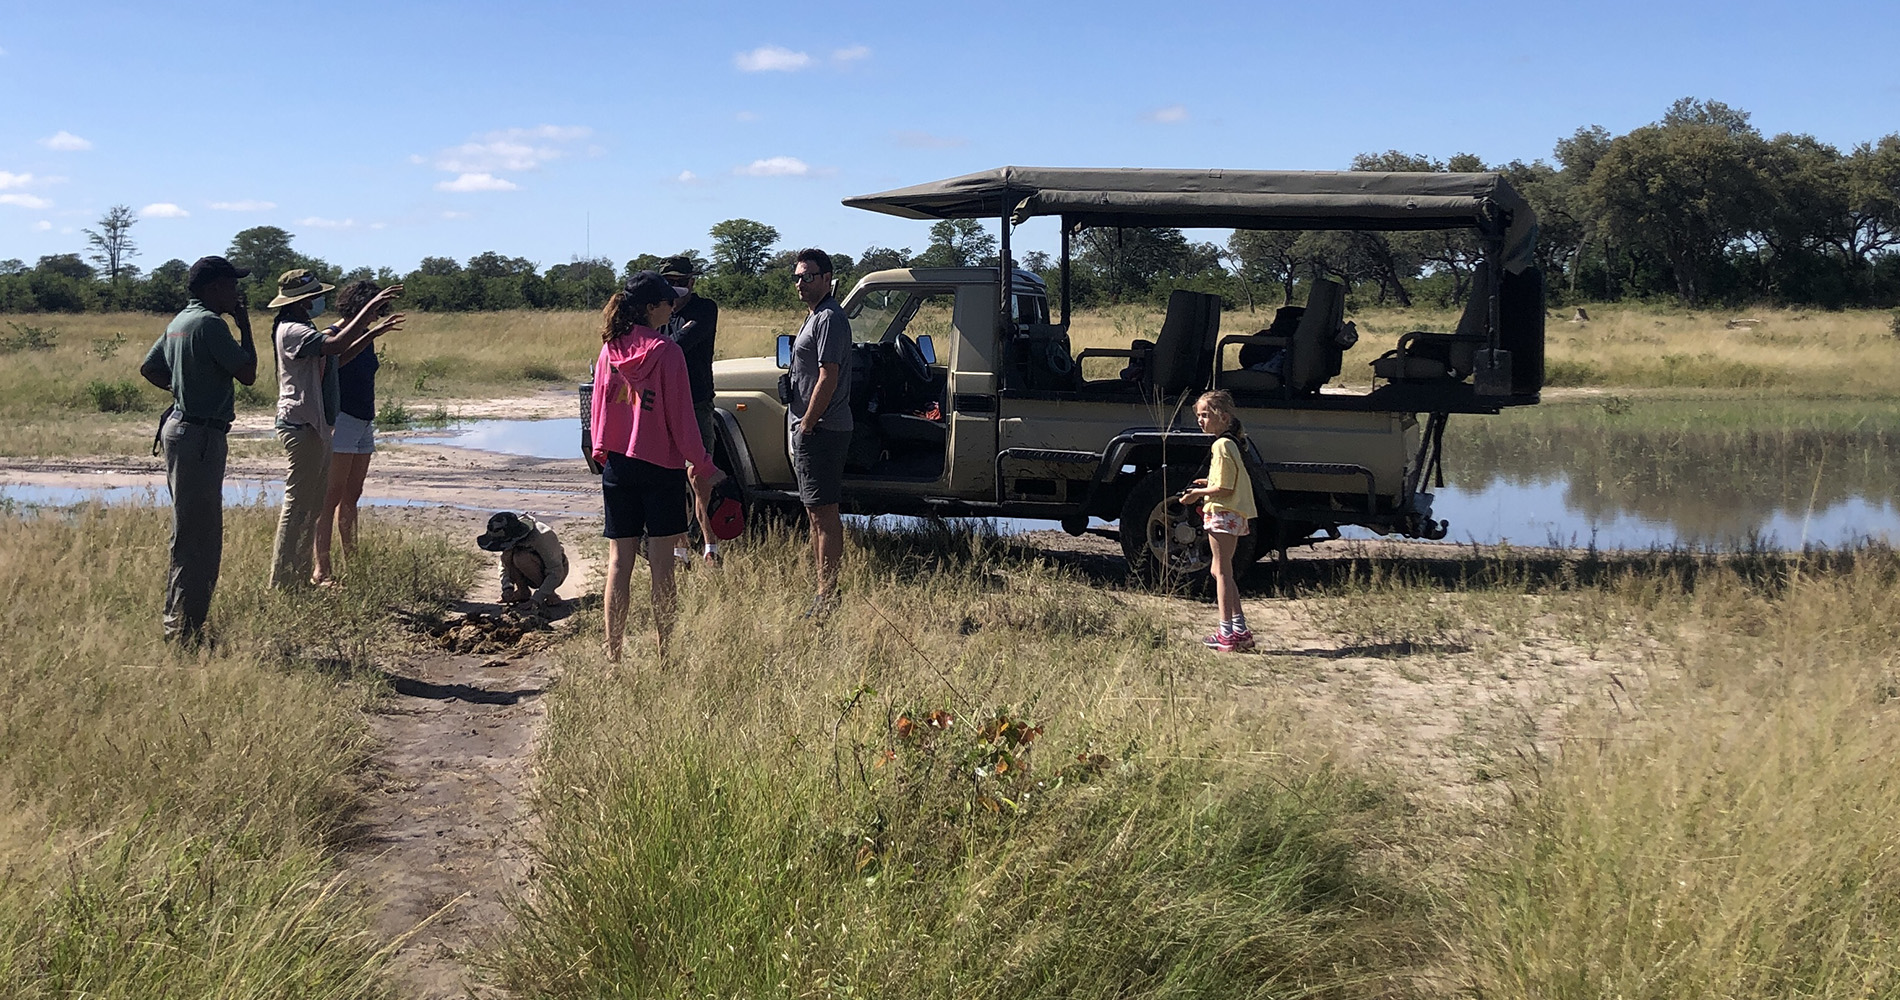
<point x="170" y="818"/>
<point x="50" y="399"/>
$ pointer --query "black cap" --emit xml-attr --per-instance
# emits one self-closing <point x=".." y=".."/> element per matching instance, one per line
<point x="679" y="267"/>
<point x="644" y="288"/>
<point x="211" y="269"/>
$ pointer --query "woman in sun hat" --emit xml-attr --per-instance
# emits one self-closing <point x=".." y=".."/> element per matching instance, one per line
<point x="355" y="437"/>
<point x="646" y="440"/>
<point x="307" y="400"/>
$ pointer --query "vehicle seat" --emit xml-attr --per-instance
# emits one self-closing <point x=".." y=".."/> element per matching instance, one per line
<point x="1424" y="357"/>
<point x="1312" y="351"/>
<point x="912" y="429"/>
<point x="1187" y="338"/>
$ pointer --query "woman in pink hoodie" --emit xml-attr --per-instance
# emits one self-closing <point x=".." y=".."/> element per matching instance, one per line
<point x="646" y="439"/>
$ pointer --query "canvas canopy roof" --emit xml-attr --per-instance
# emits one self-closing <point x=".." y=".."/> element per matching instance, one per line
<point x="1236" y="199"/>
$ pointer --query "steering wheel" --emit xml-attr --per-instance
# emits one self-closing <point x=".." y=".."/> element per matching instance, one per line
<point x="911" y="357"/>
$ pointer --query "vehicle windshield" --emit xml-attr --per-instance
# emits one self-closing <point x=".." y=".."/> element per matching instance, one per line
<point x="883" y="313"/>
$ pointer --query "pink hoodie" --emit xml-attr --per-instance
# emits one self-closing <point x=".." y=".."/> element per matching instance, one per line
<point x="660" y="428"/>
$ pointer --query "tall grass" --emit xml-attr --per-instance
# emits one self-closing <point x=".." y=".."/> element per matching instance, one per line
<point x="171" y="818"/>
<point x="981" y="778"/>
<point x="1742" y="836"/>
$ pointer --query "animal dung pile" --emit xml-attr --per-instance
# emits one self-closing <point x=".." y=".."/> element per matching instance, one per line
<point x="483" y="633"/>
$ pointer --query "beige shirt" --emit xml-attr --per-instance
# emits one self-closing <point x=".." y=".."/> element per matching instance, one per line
<point x="301" y="366"/>
<point x="543" y="543"/>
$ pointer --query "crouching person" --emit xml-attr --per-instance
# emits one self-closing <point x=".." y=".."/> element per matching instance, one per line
<point x="533" y="564"/>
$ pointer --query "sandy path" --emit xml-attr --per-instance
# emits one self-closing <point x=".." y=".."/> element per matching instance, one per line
<point x="447" y="836"/>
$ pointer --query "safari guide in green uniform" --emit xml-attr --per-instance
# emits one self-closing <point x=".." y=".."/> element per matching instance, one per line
<point x="196" y="360"/>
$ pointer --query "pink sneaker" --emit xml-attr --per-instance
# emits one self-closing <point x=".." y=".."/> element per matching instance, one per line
<point x="1236" y="642"/>
<point x="1213" y="641"/>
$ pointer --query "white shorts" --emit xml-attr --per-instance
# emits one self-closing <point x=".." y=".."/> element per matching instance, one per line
<point x="1224" y="522"/>
<point x="354" y="436"/>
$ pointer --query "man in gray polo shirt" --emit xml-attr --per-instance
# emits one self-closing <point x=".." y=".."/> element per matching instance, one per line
<point x="196" y="360"/>
<point x="820" y="417"/>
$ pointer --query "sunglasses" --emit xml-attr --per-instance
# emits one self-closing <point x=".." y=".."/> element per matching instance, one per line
<point x="806" y="279"/>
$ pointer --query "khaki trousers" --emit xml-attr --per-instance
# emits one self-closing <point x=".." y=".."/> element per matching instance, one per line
<point x="194" y="470"/>
<point x="304" y="488"/>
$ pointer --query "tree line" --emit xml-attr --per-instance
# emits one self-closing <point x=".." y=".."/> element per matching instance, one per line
<point x="1698" y="206"/>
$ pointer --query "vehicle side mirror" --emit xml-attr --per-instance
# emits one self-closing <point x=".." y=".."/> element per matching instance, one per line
<point x="928" y="349"/>
<point x="784" y="350"/>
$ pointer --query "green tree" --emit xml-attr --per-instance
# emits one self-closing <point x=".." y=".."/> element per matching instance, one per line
<point x="1686" y="187"/>
<point x="439" y="267"/>
<point x="12" y="266"/>
<point x="876" y="258"/>
<point x="66" y="265"/>
<point x="1873" y="200"/>
<point x="958" y="243"/>
<point x="112" y="242"/>
<point x="1127" y="262"/>
<point x="1265" y="257"/>
<point x="742" y="246"/>
<point x="163" y="291"/>
<point x="265" y="251"/>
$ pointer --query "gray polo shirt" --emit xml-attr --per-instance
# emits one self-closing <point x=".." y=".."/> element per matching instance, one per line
<point x="203" y="358"/>
<point x="825" y="338"/>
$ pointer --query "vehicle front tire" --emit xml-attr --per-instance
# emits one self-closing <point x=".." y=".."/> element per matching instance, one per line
<point x="1162" y="540"/>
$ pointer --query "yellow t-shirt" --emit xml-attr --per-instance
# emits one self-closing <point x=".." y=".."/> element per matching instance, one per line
<point x="1226" y="470"/>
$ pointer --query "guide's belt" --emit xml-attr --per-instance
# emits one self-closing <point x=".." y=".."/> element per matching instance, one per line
<point x="222" y="426"/>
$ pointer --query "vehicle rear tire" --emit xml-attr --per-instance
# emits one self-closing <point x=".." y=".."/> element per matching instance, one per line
<point x="1162" y="540"/>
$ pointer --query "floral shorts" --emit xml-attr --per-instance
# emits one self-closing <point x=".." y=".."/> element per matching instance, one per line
<point x="1223" y="522"/>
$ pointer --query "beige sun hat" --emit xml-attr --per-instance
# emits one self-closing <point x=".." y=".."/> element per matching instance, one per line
<point x="296" y="286"/>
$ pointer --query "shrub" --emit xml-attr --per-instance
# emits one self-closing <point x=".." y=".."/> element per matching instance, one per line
<point x="252" y="396"/>
<point x="115" y="397"/>
<point x="541" y="371"/>
<point x="392" y="415"/>
<point x="29" y="338"/>
<point x="1558" y="372"/>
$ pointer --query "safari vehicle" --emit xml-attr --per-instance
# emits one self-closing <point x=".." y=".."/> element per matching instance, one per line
<point x="969" y="402"/>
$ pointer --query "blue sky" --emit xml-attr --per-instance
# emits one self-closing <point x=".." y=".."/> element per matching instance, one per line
<point x="381" y="133"/>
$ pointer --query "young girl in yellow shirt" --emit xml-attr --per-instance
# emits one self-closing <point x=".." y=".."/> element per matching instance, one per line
<point x="1226" y="496"/>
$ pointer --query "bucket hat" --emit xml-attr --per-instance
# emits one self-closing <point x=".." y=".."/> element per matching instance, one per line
<point x="505" y="530"/>
<point x="296" y="286"/>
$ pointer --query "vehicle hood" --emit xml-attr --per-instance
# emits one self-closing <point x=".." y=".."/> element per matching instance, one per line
<point x="746" y="375"/>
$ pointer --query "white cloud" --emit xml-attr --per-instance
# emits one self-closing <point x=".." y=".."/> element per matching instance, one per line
<point x="1173" y="114"/>
<point x="8" y="180"/>
<point x="455" y="215"/>
<point x="243" y="206"/>
<point x="42" y="226"/>
<point x="511" y="149"/>
<point x="687" y="177"/>
<point x="476" y="182"/>
<point x="163" y="210"/>
<point x="318" y="222"/>
<point x="852" y="54"/>
<point x="771" y="58"/>
<point x="66" y="142"/>
<point x="924" y="140"/>
<point x="24" y="201"/>
<point x="775" y="166"/>
<point x="746" y="116"/>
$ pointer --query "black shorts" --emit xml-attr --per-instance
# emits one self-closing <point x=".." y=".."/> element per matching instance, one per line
<point x="818" y="462"/>
<point x="642" y="498"/>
